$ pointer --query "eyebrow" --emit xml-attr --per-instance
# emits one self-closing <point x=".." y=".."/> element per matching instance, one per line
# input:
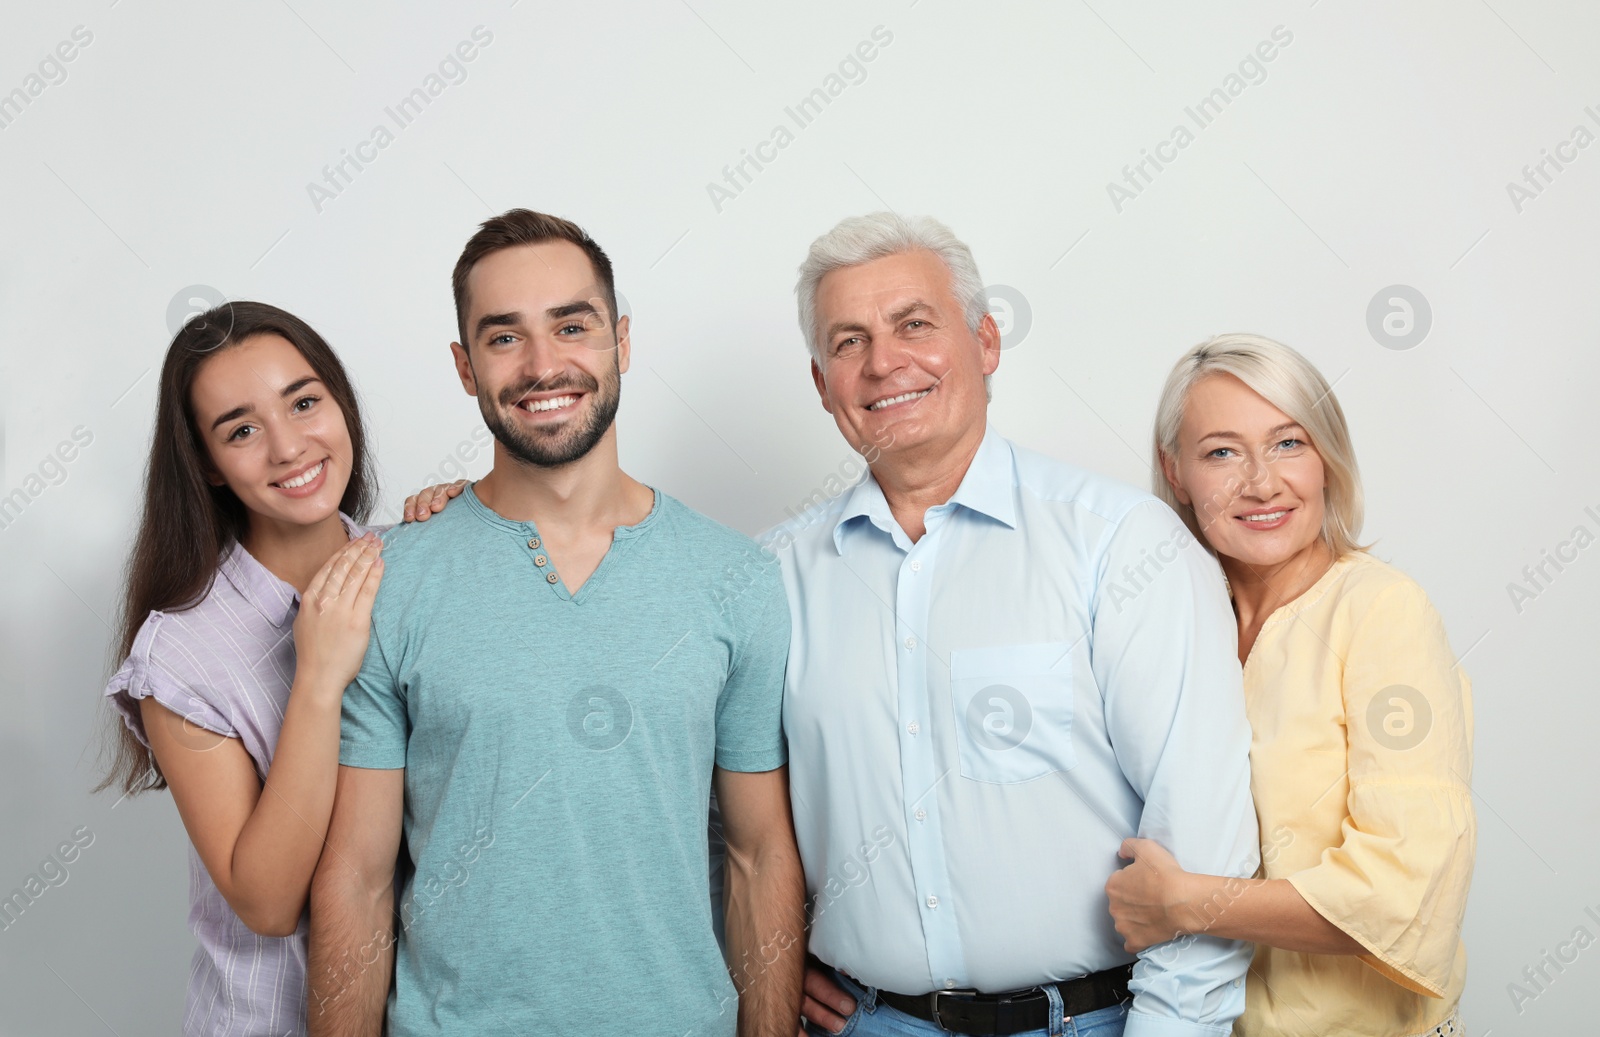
<point x="241" y="411"/>
<point x="512" y="318"/>
<point x="496" y="320"/>
<point x="571" y="309"/>
<point x="907" y="310"/>
<point x="1234" y="435"/>
<point x="894" y="318"/>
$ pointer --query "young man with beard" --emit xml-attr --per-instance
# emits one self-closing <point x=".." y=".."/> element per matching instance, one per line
<point x="556" y="679"/>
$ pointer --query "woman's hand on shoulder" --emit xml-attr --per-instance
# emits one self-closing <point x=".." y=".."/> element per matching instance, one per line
<point x="423" y="503"/>
<point x="335" y="620"/>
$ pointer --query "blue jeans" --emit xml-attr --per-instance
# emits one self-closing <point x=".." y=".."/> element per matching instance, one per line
<point x="871" y="1019"/>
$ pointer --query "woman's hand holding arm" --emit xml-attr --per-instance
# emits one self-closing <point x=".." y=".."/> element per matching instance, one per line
<point x="1154" y="900"/>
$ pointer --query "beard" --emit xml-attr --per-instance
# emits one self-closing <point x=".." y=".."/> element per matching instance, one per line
<point x="567" y="442"/>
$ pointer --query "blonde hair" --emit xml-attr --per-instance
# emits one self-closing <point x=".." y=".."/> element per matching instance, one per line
<point x="1290" y="383"/>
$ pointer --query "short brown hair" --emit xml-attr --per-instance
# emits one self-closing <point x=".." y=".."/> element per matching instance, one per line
<point x="526" y="227"/>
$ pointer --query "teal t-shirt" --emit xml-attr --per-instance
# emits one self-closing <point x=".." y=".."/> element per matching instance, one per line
<point x="558" y="752"/>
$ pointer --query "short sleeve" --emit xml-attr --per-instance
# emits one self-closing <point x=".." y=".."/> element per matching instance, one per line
<point x="750" y="707"/>
<point x="158" y="667"/>
<point x="1397" y="883"/>
<point x="373" y="725"/>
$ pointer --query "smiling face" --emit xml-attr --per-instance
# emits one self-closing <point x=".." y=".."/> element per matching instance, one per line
<point x="900" y="371"/>
<point x="272" y="431"/>
<point x="544" y="360"/>
<point x="1251" y="474"/>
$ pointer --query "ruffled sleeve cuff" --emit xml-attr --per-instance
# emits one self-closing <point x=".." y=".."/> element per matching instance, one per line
<point x="144" y="674"/>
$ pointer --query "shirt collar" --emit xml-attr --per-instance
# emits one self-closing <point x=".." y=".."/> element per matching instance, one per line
<point x="987" y="489"/>
<point x="864" y="500"/>
<point x="990" y="483"/>
<point x="268" y="595"/>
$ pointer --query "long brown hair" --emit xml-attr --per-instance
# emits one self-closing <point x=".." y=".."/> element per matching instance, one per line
<point x="188" y="524"/>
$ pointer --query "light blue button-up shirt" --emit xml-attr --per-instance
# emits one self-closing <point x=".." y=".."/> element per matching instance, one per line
<point x="977" y="720"/>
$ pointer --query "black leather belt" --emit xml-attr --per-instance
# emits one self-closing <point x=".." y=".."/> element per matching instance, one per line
<point x="1015" y="1011"/>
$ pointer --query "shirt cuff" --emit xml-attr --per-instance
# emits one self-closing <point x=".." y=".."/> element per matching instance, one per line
<point x="1142" y="1024"/>
<point x="752" y="761"/>
<point x="194" y="710"/>
<point x="371" y="757"/>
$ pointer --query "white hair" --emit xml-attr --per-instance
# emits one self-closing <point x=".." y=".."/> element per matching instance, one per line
<point x="1290" y="383"/>
<point x="861" y="239"/>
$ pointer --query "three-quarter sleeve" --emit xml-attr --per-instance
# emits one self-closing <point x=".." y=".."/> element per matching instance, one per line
<point x="1397" y="882"/>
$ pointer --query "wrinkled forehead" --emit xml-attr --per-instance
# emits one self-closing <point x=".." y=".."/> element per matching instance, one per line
<point x="885" y="287"/>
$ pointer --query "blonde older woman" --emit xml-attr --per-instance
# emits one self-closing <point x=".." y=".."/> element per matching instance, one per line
<point x="1362" y="721"/>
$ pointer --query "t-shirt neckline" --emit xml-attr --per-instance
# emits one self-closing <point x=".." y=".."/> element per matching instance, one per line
<point x="522" y="529"/>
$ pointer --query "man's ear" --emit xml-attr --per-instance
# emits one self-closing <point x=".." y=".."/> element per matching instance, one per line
<point x="989" y="339"/>
<point x="822" y="386"/>
<point x="1169" y="470"/>
<point x="463" y="362"/>
<point x="624" y="345"/>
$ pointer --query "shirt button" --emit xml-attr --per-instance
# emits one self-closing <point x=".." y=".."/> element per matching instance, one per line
<point x="551" y="577"/>
<point x="949" y="984"/>
<point x="916" y="566"/>
<point x="911" y="642"/>
<point x="540" y="560"/>
<point x="921" y="814"/>
<point x="913" y="727"/>
<point x="933" y="901"/>
<point x="534" y="543"/>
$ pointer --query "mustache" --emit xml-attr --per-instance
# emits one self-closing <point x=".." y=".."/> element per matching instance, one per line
<point x="514" y="394"/>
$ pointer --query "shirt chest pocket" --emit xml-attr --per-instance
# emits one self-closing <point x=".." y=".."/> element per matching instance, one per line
<point x="1013" y="710"/>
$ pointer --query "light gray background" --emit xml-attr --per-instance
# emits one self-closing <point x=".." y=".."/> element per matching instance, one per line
<point x="179" y="147"/>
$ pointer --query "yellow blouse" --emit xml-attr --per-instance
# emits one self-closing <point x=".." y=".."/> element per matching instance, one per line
<point x="1360" y="759"/>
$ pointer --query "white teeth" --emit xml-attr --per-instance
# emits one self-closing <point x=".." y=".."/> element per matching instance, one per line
<point x="301" y="480"/>
<point x="1271" y="516"/>
<point x="555" y="403"/>
<point x="903" y="397"/>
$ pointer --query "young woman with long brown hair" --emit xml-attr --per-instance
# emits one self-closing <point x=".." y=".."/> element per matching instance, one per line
<point x="247" y="609"/>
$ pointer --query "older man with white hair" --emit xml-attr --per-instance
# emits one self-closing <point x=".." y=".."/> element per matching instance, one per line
<point x="1001" y="666"/>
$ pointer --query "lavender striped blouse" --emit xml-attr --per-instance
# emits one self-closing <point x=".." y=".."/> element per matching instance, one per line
<point x="227" y="665"/>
